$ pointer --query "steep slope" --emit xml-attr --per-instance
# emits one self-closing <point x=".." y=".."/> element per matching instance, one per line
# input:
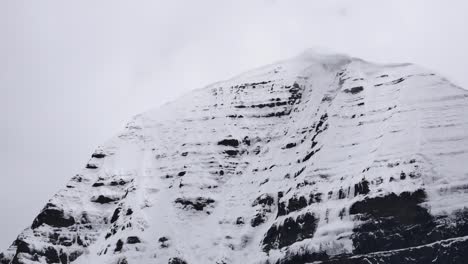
<point x="323" y="158"/>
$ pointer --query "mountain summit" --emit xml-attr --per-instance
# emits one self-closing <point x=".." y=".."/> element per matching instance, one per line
<point x="322" y="158"/>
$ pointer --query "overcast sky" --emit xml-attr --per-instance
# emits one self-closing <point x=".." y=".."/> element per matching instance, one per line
<point x="72" y="72"/>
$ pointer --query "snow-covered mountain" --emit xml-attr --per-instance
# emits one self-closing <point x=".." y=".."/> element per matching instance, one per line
<point x="322" y="158"/>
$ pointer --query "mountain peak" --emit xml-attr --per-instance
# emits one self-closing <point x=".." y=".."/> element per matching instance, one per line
<point x="321" y="158"/>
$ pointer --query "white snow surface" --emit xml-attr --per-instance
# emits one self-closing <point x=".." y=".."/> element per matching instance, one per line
<point x="404" y="119"/>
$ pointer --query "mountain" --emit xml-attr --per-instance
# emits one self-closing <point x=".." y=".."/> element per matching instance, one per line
<point x="322" y="158"/>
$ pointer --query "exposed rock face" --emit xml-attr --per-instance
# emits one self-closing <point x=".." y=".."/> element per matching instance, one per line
<point x="317" y="159"/>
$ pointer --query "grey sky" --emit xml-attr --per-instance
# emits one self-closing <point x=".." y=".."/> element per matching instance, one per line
<point x="72" y="72"/>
